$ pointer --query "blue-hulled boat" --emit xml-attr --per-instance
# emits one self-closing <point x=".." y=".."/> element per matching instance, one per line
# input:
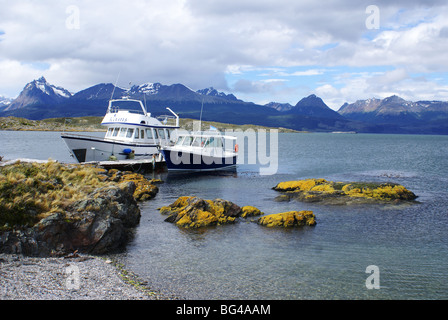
<point x="201" y="152"/>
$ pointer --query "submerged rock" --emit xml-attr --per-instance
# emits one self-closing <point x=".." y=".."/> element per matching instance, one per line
<point x="329" y="192"/>
<point x="289" y="219"/>
<point x="194" y="212"/>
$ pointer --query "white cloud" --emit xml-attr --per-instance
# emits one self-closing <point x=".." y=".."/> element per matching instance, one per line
<point x="198" y="43"/>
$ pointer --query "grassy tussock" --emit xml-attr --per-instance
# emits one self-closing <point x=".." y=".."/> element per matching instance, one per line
<point x="32" y="191"/>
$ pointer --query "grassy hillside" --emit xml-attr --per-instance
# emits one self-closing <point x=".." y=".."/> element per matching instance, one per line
<point x="56" y="124"/>
<point x="93" y="124"/>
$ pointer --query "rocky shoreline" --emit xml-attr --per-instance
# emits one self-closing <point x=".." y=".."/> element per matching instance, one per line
<point x="57" y="222"/>
<point x="76" y="277"/>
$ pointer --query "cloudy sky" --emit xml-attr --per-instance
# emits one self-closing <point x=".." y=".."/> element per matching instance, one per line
<point x="259" y="50"/>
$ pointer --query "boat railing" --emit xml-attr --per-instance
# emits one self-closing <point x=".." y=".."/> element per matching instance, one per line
<point x="167" y="120"/>
<point x="65" y="133"/>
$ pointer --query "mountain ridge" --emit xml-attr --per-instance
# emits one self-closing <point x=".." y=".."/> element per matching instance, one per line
<point x="39" y="100"/>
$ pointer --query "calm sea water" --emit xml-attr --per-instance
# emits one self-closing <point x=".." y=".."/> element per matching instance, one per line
<point x="408" y="243"/>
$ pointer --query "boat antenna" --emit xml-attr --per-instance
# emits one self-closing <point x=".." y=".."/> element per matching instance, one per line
<point x="115" y="85"/>
<point x="200" y="117"/>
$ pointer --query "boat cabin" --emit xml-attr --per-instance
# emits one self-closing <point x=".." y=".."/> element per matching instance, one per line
<point x="128" y="121"/>
<point x="206" y="141"/>
<point x="138" y="134"/>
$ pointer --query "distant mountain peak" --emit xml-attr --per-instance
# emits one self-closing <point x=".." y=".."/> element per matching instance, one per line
<point x="147" y="88"/>
<point x="314" y="106"/>
<point x="395" y="110"/>
<point x="394" y="98"/>
<point x="39" y="92"/>
<point x="312" y="101"/>
<point x="48" y="88"/>
<point x="282" y="107"/>
<point x="210" y="91"/>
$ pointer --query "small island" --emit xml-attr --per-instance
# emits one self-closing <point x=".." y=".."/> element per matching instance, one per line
<point x="194" y="212"/>
<point x="329" y="192"/>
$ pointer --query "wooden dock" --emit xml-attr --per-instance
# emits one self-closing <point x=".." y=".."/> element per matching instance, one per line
<point x="140" y="166"/>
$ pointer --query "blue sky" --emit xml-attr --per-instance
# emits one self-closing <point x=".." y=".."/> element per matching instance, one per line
<point x="259" y="50"/>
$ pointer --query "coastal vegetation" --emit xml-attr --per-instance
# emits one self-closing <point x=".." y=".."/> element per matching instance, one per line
<point x="321" y="190"/>
<point x="30" y="192"/>
<point x="53" y="208"/>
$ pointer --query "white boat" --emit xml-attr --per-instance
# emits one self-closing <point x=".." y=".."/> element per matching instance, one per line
<point x="132" y="133"/>
<point x="201" y="152"/>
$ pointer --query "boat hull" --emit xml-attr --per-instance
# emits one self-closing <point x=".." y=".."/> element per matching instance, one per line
<point x="177" y="160"/>
<point x="88" y="148"/>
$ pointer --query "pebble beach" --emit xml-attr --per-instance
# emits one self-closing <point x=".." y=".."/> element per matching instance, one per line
<point x="81" y="277"/>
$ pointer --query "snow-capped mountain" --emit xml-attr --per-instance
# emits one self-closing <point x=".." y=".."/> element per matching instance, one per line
<point x="39" y="92"/>
<point x="215" y="93"/>
<point x="146" y="88"/>
<point x="4" y="102"/>
<point x="48" y="89"/>
<point x="394" y="110"/>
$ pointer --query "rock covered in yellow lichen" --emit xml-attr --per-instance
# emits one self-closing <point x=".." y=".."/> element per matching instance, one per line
<point x="288" y="219"/>
<point x="316" y="190"/>
<point x="145" y="189"/>
<point x="250" y="211"/>
<point x="194" y="212"/>
<point x="385" y="191"/>
<point x="299" y="185"/>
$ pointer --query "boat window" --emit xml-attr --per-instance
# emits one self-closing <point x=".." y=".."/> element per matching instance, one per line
<point x="168" y="133"/>
<point x="126" y="105"/>
<point x="131" y="133"/>
<point x="116" y="131"/>
<point x="196" y="142"/>
<point x="179" y="141"/>
<point x="142" y="133"/>
<point x="149" y="133"/>
<point x="187" y="141"/>
<point x="210" y="142"/>
<point x="122" y="132"/>
<point x="109" y="132"/>
<point x="136" y="133"/>
<point x="161" y="134"/>
<point x="156" y="136"/>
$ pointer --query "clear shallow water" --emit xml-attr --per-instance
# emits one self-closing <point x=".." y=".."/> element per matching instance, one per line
<point x="328" y="261"/>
